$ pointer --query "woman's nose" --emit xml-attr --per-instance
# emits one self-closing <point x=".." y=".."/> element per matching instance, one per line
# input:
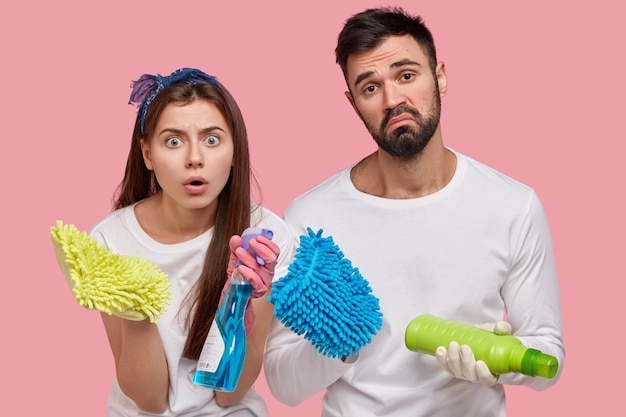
<point x="194" y="158"/>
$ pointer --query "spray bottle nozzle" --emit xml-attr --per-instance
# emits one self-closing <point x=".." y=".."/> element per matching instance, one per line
<point x="251" y="233"/>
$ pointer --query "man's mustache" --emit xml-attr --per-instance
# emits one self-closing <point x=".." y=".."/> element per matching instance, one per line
<point x="398" y="111"/>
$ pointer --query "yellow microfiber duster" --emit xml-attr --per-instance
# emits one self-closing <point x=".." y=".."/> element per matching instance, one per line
<point x="130" y="287"/>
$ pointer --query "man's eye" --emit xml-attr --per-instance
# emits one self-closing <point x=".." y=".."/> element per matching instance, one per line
<point x="408" y="76"/>
<point x="212" y="140"/>
<point x="369" y="89"/>
<point x="173" y="142"/>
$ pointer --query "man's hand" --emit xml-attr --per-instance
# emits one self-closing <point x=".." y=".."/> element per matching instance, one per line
<point x="459" y="361"/>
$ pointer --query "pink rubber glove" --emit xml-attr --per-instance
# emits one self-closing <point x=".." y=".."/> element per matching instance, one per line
<point x="259" y="276"/>
<point x="459" y="361"/>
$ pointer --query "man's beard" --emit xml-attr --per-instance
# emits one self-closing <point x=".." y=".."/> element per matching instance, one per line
<point x="406" y="141"/>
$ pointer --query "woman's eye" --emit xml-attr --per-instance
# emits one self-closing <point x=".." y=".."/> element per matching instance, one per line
<point x="212" y="140"/>
<point x="173" y="142"/>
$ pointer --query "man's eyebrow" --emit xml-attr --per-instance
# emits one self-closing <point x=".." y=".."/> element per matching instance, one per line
<point x="401" y="63"/>
<point x="362" y="77"/>
<point x="404" y="62"/>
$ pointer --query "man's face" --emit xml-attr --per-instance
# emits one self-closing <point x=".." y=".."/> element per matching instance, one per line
<point x="395" y="93"/>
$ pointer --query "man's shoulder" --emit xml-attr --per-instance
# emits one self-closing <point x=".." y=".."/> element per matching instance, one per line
<point x="493" y="175"/>
<point x="321" y="194"/>
<point x="327" y="185"/>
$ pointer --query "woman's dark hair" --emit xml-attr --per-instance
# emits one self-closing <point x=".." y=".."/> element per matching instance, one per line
<point x="233" y="203"/>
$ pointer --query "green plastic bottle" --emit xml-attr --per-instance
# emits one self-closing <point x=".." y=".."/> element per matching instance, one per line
<point x="501" y="352"/>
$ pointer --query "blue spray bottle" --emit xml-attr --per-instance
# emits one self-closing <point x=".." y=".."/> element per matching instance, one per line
<point x="224" y="351"/>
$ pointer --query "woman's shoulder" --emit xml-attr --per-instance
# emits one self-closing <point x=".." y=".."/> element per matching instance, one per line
<point x="117" y="224"/>
<point x="114" y="219"/>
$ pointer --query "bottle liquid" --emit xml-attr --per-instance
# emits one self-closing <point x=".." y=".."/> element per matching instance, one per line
<point x="501" y="352"/>
<point x="224" y="351"/>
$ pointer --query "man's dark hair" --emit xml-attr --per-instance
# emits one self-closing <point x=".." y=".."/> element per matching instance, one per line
<point x="367" y="29"/>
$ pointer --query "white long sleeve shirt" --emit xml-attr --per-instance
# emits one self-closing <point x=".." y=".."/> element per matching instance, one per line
<point x="474" y="251"/>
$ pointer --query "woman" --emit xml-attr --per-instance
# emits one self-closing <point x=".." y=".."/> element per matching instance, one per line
<point x="183" y="203"/>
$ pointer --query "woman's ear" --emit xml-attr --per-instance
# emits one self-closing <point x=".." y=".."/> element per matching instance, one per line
<point x="145" y="151"/>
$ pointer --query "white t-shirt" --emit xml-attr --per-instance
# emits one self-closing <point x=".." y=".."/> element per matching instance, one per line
<point x="478" y="248"/>
<point x="182" y="262"/>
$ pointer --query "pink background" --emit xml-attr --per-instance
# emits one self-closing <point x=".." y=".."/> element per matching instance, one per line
<point x="536" y="90"/>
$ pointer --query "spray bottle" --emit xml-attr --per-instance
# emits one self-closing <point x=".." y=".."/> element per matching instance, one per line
<point x="501" y="352"/>
<point x="224" y="351"/>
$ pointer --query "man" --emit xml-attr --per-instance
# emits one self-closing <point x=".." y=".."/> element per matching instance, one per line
<point x="433" y="231"/>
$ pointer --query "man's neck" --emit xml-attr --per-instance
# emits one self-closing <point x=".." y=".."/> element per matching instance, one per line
<point x="381" y="175"/>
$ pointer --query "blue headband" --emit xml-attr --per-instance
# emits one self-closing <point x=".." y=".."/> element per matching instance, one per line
<point x="148" y="86"/>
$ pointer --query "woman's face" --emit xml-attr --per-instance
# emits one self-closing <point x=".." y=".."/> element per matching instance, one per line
<point x="191" y="153"/>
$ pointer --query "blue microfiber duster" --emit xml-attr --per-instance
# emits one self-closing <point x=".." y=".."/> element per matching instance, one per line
<point x="326" y="299"/>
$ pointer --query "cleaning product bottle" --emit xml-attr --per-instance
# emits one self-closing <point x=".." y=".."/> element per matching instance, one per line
<point x="501" y="352"/>
<point x="224" y="351"/>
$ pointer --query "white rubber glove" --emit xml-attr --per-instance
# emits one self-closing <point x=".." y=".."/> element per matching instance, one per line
<point x="459" y="361"/>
